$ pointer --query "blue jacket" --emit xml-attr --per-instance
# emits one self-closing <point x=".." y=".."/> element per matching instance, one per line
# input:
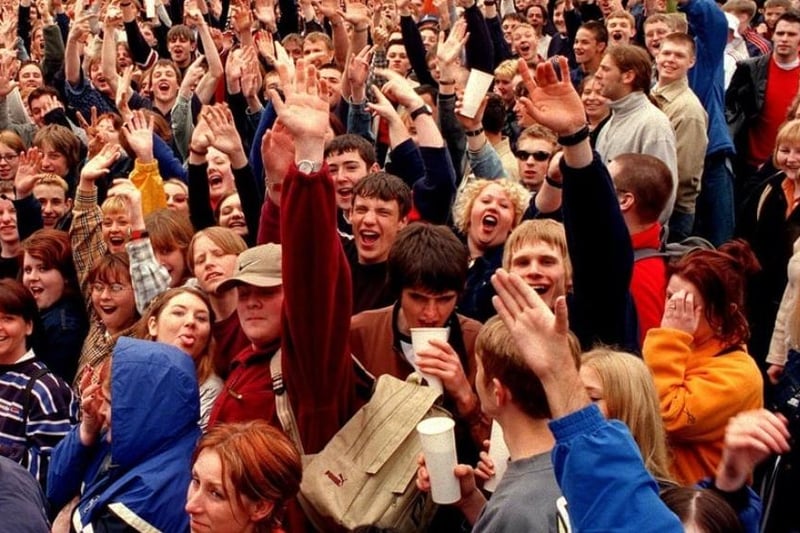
<point x="601" y="474"/>
<point x="155" y="407"/>
<point x="709" y="26"/>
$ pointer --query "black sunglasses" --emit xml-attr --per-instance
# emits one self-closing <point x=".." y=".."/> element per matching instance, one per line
<point x="538" y="155"/>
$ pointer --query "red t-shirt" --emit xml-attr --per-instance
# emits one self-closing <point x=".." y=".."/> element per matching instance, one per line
<point x="782" y="87"/>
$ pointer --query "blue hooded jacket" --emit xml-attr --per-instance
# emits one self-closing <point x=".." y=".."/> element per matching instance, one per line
<point x="155" y="407"/>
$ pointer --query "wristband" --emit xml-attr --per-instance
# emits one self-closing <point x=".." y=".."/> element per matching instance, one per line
<point x="577" y="137"/>
<point x="424" y="109"/>
<point x="447" y="82"/>
<point x="197" y="152"/>
<point x="553" y="183"/>
<point x="493" y="3"/>
<point x="138" y="234"/>
<point x="473" y="133"/>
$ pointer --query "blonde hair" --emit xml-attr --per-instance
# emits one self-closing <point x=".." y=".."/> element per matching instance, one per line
<point x="462" y="207"/>
<point x="116" y="204"/>
<point x="540" y="230"/>
<point x="507" y="69"/>
<point x="52" y="179"/>
<point x="789" y="133"/>
<point x="630" y="396"/>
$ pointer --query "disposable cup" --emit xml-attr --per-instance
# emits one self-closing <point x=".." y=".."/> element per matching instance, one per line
<point x="439" y="446"/>
<point x="478" y="85"/>
<point x="150" y="9"/>
<point x="420" y="339"/>
<point x="498" y="453"/>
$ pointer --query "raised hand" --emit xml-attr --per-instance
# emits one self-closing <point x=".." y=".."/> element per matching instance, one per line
<point x="681" y="313"/>
<point x="750" y="438"/>
<point x="92" y="398"/>
<point x="449" y="49"/>
<point x="223" y="129"/>
<point x="277" y="152"/>
<point x="193" y="17"/>
<point x="383" y="107"/>
<point x="264" y="11"/>
<point x="358" y="67"/>
<point x="398" y="89"/>
<point x="551" y="101"/>
<point x="242" y="19"/>
<point x="202" y="136"/>
<point x="305" y="112"/>
<point x="138" y="130"/>
<point x="99" y="165"/>
<point x="192" y="77"/>
<point x="113" y="17"/>
<point x="124" y="91"/>
<point x="7" y="83"/>
<point x="356" y="14"/>
<point x="96" y="140"/>
<point x="252" y="80"/>
<point x="266" y="46"/>
<point x="27" y="172"/>
<point x="49" y="103"/>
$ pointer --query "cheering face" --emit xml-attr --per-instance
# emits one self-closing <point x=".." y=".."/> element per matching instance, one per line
<point x="491" y="217"/>
<point x="542" y="267"/>
<point x="376" y="224"/>
<point x="114" y="303"/>
<point x="184" y="322"/>
<point x="231" y="215"/>
<point x="45" y="283"/>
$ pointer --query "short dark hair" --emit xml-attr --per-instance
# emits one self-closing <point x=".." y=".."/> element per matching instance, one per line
<point x="494" y="116"/>
<point x="649" y="179"/>
<point x="350" y="142"/>
<point x="791" y="16"/>
<point x="633" y="58"/>
<point x="598" y="29"/>
<point x="427" y="256"/>
<point x="386" y="187"/>
<point x="180" y="31"/>
<point x="16" y="300"/>
<point x="41" y="91"/>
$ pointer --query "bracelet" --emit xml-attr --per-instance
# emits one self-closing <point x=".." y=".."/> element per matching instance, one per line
<point x="138" y="234"/>
<point x="492" y="3"/>
<point x="553" y="183"/>
<point x="447" y="82"/>
<point x="577" y="137"/>
<point x="473" y="133"/>
<point x="361" y="30"/>
<point x="197" y="152"/>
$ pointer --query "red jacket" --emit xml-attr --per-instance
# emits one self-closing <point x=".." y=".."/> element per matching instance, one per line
<point x="649" y="281"/>
<point x="317" y="303"/>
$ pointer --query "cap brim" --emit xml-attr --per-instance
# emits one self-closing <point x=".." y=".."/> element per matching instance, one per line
<point x="249" y="279"/>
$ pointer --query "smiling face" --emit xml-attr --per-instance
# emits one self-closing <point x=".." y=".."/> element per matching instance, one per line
<point x="212" y="265"/>
<point x="541" y="266"/>
<point x="97" y="78"/>
<point x="787" y="158"/>
<point x="184" y="322"/>
<point x="116" y="227"/>
<point x="653" y="33"/>
<point x="334" y="79"/>
<point x="54" y="203"/>
<point x="8" y="222"/>
<point x="13" y="330"/>
<point x="9" y="162"/>
<point x="620" y="31"/>
<point x="114" y="303"/>
<point x="30" y="77"/>
<point x="524" y="43"/>
<point x="180" y="50"/>
<point x="491" y="218"/>
<point x="347" y="169"/>
<point x="673" y="62"/>
<point x="231" y="215"/>
<point x="587" y="48"/>
<point x="46" y="284"/>
<point x="594" y="103"/>
<point x="558" y="19"/>
<point x="259" y="310"/>
<point x="164" y="83"/>
<point x="220" y="175"/>
<point x="376" y="224"/>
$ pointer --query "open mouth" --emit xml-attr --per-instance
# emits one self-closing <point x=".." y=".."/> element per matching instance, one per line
<point x="368" y="237"/>
<point x="540" y="289"/>
<point x="617" y="36"/>
<point x="214" y="180"/>
<point x="36" y="291"/>
<point x="163" y="86"/>
<point x="524" y="48"/>
<point x="108" y="309"/>
<point x="489" y="221"/>
<point x="116" y="241"/>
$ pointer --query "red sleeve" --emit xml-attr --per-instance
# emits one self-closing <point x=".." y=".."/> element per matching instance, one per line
<point x="316" y="308"/>
<point x="269" y="225"/>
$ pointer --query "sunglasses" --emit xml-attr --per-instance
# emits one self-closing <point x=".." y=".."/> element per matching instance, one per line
<point x="538" y="155"/>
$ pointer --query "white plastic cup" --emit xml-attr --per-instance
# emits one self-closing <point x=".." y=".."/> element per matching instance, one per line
<point x="439" y="446"/>
<point x="498" y="453"/>
<point x="478" y="85"/>
<point x="420" y="339"/>
<point x="150" y="9"/>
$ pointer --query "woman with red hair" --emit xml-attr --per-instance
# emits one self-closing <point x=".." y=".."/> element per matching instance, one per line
<point x="243" y="475"/>
<point x="702" y="371"/>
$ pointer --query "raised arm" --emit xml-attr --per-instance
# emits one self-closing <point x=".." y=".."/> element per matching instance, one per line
<point x="72" y="53"/>
<point x="316" y="283"/>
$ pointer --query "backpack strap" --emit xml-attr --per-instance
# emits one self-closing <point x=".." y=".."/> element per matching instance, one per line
<point x="26" y="397"/>
<point x="282" y="404"/>
<point x="646" y="253"/>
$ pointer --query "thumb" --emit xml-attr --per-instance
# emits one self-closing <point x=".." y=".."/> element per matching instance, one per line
<point x="562" y="316"/>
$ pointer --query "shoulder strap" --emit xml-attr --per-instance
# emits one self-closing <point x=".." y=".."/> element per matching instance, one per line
<point x="646" y="253"/>
<point x="762" y="199"/>
<point x="282" y="405"/>
<point x="26" y="396"/>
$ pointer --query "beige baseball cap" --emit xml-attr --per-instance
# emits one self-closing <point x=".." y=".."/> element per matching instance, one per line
<point x="259" y="266"/>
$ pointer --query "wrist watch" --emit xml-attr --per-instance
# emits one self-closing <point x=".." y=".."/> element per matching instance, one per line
<point x="306" y="166"/>
<point x="424" y="109"/>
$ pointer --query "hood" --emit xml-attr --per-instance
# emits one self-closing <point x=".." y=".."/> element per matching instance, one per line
<point x="154" y="399"/>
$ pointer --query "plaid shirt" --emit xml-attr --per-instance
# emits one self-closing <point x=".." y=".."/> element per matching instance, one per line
<point x="149" y="278"/>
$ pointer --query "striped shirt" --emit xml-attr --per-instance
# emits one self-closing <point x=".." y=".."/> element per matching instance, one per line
<point x="52" y="410"/>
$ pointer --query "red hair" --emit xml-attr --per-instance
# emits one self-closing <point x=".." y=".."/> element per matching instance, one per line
<point x="259" y="463"/>
<point x="721" y="278"/>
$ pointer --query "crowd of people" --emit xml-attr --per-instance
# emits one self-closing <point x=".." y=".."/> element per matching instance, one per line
<point x="194" y="194"/>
